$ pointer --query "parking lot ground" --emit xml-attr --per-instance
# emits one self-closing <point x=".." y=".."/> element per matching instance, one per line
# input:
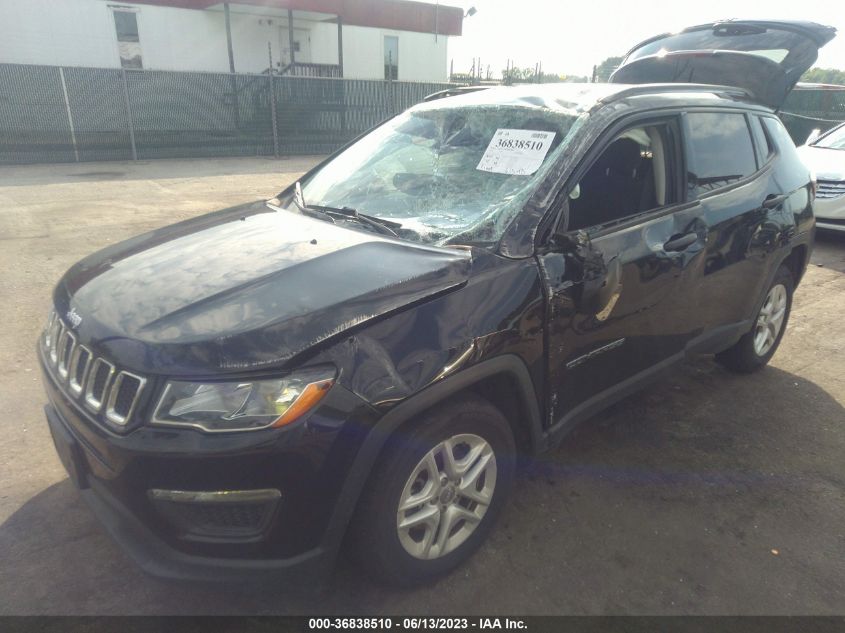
<point x="707" y="493"/>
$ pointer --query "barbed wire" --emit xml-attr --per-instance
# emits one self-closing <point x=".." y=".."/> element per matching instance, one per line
<point x="812" y="118"/>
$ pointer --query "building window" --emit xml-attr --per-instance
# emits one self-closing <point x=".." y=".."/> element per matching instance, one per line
<point x="391" y="57"/>
<point x="128" y="43"/>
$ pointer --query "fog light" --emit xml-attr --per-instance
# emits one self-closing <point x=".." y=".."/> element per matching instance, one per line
<point x="222" y="515"/>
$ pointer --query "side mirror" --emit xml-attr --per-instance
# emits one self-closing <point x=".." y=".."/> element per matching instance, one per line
<point x="599" y="281"/>
<point x="814" y="136"/>
<point x="601" y="286"/>
<point x="572" y="243"/>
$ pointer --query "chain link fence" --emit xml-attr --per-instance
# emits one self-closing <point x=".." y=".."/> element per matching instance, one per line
<point x="51" y="114"/>
<point x="807" y="108"/>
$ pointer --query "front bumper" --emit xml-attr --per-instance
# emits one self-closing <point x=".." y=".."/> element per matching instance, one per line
<point x="157" y="558"/>
<point x="827" y="225"/>
<point x="830" y="213"/>
<point x="307" y="463"/>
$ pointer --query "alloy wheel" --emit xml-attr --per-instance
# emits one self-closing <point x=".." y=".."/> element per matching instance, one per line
<point x="446" y="496"/>
<point x="770" y="320"/>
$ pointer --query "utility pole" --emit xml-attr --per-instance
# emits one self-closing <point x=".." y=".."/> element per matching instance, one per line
<point x="229" y="37"/>
<point x="290" y="41"/>
<point x="233" y="82"/>
<point x="340" y="44"/>
<point x="273" y="102"/>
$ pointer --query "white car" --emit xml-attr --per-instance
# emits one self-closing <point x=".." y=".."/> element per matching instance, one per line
<point x="824" y="154"/>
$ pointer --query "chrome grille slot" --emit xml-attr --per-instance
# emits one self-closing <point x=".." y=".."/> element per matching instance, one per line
<point x="78" y="370"/>
<point x="55" y="334"/>
<point x="67" y="343"/>
<point x="48" y="331"/>
<point x="123" y="396"/>
<point x="830" y="189"/>
<point x="109" y="392"/>
<point x="98" y="383"/>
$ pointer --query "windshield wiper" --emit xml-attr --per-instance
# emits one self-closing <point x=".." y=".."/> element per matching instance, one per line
<point x="299" y="201"/>
<point x="385" y="227"/>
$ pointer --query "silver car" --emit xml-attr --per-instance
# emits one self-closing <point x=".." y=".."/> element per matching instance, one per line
<point x="824" y="154"/>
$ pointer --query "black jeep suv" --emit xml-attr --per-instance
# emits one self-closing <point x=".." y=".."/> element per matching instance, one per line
<point x="362" y="356"/>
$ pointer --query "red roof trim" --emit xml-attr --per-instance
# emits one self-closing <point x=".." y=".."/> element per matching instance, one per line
<point x="400" y="15"/>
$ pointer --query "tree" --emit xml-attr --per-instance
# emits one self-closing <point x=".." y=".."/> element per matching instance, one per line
<point x="824" y="76"/>
<point x="517" y="75"/>
<point x="606" y="68"/>
<point x="527" y="75"/>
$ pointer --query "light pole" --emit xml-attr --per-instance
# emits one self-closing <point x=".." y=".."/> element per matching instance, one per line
<point x="468" y="14"/>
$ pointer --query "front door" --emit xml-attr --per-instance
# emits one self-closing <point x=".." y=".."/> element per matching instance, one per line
<point x="621" y="278"/>
<point x="301" y="45"/>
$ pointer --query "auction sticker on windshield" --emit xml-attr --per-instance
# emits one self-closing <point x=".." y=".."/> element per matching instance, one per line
<point x="516" y="152"/>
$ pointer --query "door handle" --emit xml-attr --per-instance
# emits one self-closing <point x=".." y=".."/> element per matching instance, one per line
<point x="773" y="201"/>
<point x="681" y="242"/>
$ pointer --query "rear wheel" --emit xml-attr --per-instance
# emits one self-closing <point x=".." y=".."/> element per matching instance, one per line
<point x="757" y="347"/>
<point x="435" y="493"/>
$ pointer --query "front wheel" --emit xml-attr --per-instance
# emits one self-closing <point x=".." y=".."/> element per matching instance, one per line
<point x="434" y="495"/>
<point x="757" y="347"/>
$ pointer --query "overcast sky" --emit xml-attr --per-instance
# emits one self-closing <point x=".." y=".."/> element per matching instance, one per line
<point x="569" y="37"/>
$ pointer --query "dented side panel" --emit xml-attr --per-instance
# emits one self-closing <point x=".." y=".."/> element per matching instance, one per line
<point x="619" y="305"/>
<point x="499" y="311"/>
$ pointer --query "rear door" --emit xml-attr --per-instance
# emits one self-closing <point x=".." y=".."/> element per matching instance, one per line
<point x="731" y="179"/>
<point x="764" y="57"/>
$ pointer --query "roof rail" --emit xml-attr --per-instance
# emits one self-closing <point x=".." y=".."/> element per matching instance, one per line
<point x="672" y="87"/>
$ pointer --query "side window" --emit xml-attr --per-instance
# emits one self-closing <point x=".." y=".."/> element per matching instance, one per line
<point x="719" y="151"/>
<point x="762" y="144"/>
<point x="630" y="176"/>
<point x="793" y="173"/>
<point x="779" y="135"/>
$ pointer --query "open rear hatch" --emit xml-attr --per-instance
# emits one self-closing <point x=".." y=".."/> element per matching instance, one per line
<point x="764" y="57"/>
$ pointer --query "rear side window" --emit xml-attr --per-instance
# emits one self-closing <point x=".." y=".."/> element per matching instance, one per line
<point x="719" y="151"/>
<point x="792" y="172"/>
<point x="761" y="141"/>
<point x="779" y="134"/>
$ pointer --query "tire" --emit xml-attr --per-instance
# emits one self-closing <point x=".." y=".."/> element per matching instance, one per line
<point x="748" y="355"/>
<point x="420" y="550"/>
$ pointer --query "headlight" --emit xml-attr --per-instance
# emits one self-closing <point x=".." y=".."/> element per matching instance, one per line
<point x="242" y="405"/>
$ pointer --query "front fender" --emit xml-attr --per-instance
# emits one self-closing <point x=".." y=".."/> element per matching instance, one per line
<point x="507" y="364"/>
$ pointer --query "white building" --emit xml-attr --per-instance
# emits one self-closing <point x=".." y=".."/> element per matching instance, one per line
<point x="364" y="39"/>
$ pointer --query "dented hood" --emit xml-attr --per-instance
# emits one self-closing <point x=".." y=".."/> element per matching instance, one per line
<point x="245" y="288"/>
<point x="764" y="57"/>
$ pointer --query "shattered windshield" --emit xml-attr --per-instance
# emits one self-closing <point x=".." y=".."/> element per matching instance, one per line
<point x="447" y="175"/>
